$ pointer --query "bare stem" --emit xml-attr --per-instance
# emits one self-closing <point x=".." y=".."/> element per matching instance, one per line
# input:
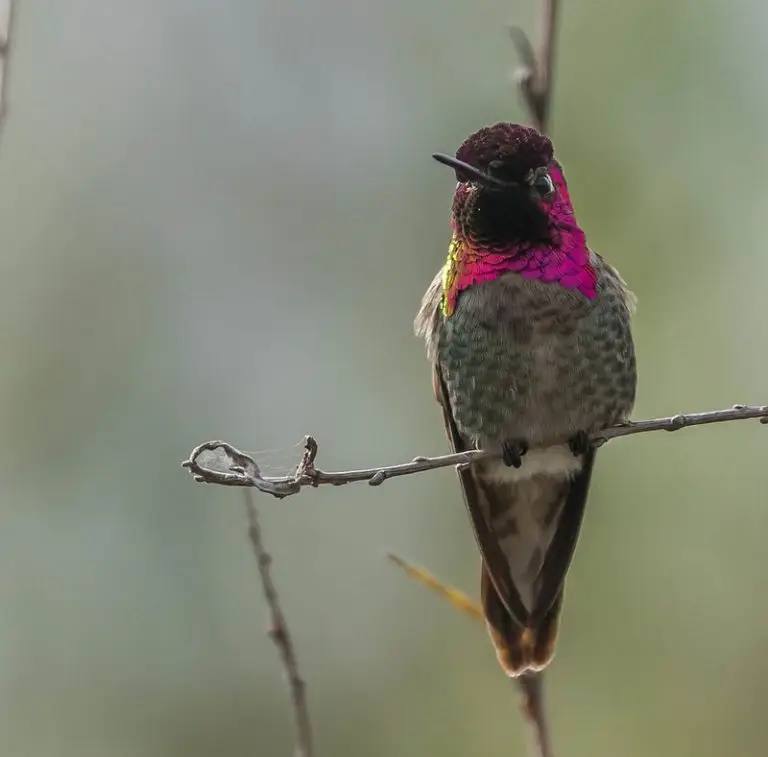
<point x="231" y="467"/>
<point x="547" y="57"/>
<point x="534" y="708"/>
<point x="536" y="72"/>
<point x="279" y="633"/>
<point x="535" y="79"/>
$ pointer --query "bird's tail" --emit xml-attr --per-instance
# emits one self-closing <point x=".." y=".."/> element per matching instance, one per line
<point x="523" y="654"/>
<point x="520" y="649"/>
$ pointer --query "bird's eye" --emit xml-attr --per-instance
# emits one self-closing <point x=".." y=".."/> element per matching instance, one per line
<point x="543" y="185"/>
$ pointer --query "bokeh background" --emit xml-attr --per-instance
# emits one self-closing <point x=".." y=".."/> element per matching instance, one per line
<point x="217" y="221"/>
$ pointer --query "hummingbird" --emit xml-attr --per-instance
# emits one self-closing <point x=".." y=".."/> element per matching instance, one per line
<point x="528" y="333"/>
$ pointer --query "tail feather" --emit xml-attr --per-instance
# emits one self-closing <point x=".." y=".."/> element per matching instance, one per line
<point x="520" y="649"/>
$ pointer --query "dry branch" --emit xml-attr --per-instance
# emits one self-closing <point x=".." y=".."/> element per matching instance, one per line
<point x="535" y="82"/>
<point x="534" y="77"/>
<point x="280" y="634"/>
<point x="231" y="467"/>
<point x="235" y="468"/>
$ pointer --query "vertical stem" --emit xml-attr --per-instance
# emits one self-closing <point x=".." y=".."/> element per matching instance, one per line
<point x="279" y="632"/>
<point x="546" y="60"/>
<point x="532" y="687"/>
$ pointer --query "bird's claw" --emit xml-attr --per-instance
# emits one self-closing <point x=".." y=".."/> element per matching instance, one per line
<point x="512" y="452"/>
<point x="579" y="443"/>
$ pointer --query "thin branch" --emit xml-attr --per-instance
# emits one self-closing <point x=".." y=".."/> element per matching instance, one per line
<point x="218" y="462"/>
<point x="534" y="77"/>
<point x="235" y="468"/>
<point x="279" y="633"/>
<point x="534" y="708"/>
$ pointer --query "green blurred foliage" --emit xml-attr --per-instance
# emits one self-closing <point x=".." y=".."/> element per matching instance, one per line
<point x="217" y="221"/>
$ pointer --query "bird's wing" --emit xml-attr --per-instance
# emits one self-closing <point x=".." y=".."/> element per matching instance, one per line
<point x="523" y="632"/>
<point x="475" y="498"/>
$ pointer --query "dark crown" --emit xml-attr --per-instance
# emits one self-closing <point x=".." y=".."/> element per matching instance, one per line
<point x="518" y="148"/>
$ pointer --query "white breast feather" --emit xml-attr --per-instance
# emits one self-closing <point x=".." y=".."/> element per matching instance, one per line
<point x="557" y="461"/>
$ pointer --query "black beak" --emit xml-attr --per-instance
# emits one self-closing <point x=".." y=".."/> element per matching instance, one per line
<point x="471" y="171"/>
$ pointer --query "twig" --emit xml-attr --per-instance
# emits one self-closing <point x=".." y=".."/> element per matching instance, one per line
<point x="236" y="468"/>
<point x="280" y="635"/>
<point x="534" y="708"/>
<point x="534" y="77"/>
<point x="239" y="469"/>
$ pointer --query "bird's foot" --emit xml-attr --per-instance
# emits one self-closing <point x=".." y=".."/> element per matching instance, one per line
<point x="512" y="452"/>
<point x="579" y="443"/>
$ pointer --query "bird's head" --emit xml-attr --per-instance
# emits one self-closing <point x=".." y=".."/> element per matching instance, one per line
<point x="512" y="212"/>
<point x="509" y="186"/>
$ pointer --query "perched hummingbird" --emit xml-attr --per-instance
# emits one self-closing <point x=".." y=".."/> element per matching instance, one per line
<point x="528" y="332"/>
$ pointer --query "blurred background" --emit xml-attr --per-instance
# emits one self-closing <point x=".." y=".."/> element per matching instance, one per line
<point x="217" y="222"/>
